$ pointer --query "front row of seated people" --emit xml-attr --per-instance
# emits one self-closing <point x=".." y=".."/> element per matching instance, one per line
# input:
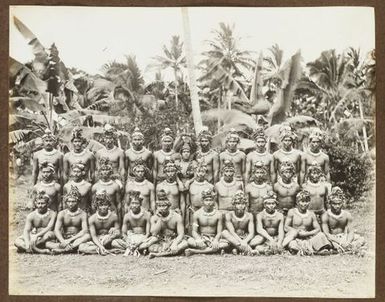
<point x="212" y="230"/>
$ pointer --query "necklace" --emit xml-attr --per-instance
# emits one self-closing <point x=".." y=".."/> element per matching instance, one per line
<point x="334" y="215"/>
<point x="287" y="186"/>
<point x="314" y="154"/>
<point x="103" y="217"/>
<point x="80" y="183"/>
<point x="167" y="218"/>
<point x="303" y="215"/>
<point x="43" y="215"/>
<point x="166" y="153"/>
<point x="137" y="216"/>
<point x="111" y="150"/>
<point x="313" y="184"/>
<point x="81" y="153"/>
<point x="259" y="186"/>
<point x="201" y="153"/>
<point x="173" y="183"/>
<point x="200" y="183"/>
<point x="73" y="214"/>
<point x="261" y="154"/>
<point x="228" y="184"/>
<point x="270" y="215"/>
<point x="239" y="218"/>
<point x="106" y="183"/>
<point x="50" y="184"/>
<point x="232" y="153"/>
<point x="140" y="183"/>
<point x="136" y="151"/>
<point x="287" y="152"/>
<point x="49" y="153"/>
<point x="209" y="213"/>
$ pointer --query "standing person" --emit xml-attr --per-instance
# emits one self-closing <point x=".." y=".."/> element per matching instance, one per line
<point x="287" y="152"/>
<point x="318" y="190"/>
<point x="136" y="152"/>
<point x="79" y="154"/>
<point x="286" y="187"/>
<point x="194" y="196"/>
<point x="103" y="225"/>
<point x="38" y="227"/>
<point x="260" y="155"/>
<point x="207" y="228"/>
<point x="77" y="174"/>
<point x="49" y="185"/>
<point x="141" y="184"/>
<point x="135" y="227"/>
<point x="187" y="166"/>
<point x="113" y="153"/>
<point x="270" y="227"/>
<point x="172" y="186"/>
<point x="239" y="225"/>
<point x="71" y="228"/>
<point x="257" y="188"/>
<point x="227" y="186"/>
<point x="166" y="152"/>
<point x="112" y="188"/>
<point x="304" y="234"/>
<point x="236" y="156"/>
<point x="314" y="154"/>
<point x="167" y="230"/>
<point x="206" y="153"/>
<point x="337" y="225"/>
<point x="48" y="154"/>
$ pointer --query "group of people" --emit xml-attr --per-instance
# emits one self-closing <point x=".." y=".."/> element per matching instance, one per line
<point x="185" y="197"/>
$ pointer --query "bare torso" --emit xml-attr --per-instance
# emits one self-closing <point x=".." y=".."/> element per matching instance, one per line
<point x="195" y="193"/>
<point x="255" y="193"/>
<point x="225" y="193"/>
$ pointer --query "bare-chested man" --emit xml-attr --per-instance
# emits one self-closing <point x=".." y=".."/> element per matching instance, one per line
<point x="167" y="230"/>
<point x="137" y="152"/>
<point x="112" y="188"/>
<point x="207" y="228"/>
<point x="38" y="227"/>
<point x="166" y="152"/>
<point x="135" y="228"/>
<point x="49" y="186"/>
<point x="141" y="184"/>
<point x="49" y="154"/>
<point x="172" y="186"/>
<point x="260" y="155"/>
<point x="270" y="231"/>
<point x="113" y="153"/>
<point x="103" y="225"/>
<point x="257" y="188"/>
<point x="227" y="186"/>
<point x="71" y="228"/>
<point x="337" y="225"/>
<point x="318" y="189"/>
<point x="78" y="173"/>
<point x="287" y="152"/>
<point x="304" y="234"/>
<point x="79" y="154"/>
<point x="186" y="167"/>
<point x="240" y="225"/>
<point x="314" y="154"/>
<point x="286" y="188"/>
<point x="209" y="155"/>
<point x="236" y="156"/>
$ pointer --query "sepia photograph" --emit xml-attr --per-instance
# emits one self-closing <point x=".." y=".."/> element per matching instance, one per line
<point x="192" y="151"/>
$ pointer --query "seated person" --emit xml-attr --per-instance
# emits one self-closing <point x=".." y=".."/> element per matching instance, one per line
<point x="337" y="225"/>
<point x="38" y="227"/>
<point x="71" y="228"/>
<point x="304" y="234"/>
<point x="239" y="224"/>
<point x="136" y="226"/>
<point x="104" y="227"/>
<point x="270" y="232"/>
<point x="167" y="230"/>
<point x="207" y="228"/>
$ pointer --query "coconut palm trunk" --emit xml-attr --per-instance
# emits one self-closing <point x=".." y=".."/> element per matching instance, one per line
<point x="363" y="127"/>
<point x="196" y="112"/>
<point x="176" y="88"/>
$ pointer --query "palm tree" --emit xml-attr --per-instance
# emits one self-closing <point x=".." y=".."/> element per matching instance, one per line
<point x="173" y="58"/>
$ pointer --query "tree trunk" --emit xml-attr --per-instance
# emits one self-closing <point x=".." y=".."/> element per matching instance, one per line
<point x="219" y="108"/>
<point x="176" y="88"/>
<point x="196" y="112"/>
<point x="363" y="127"/>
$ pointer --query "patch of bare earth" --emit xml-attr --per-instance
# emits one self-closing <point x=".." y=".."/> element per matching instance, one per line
<point x="212" y="275"/>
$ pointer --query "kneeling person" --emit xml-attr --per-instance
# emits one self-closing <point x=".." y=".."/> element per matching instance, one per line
<point x="269" y="227"/>
<point x="38" y="227"/>
<point x="239" y="224"/>
<point x="71" y="227"/>
<point x="104" y="227"/>
<point x="337" y="225"/>
<point x="136" y="226"/>
<point x="167" y="230"/>
<point x="206" y="228"/>
<point x="303" y="230"/>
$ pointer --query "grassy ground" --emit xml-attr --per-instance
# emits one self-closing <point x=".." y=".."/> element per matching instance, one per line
<point x="214" y="275"/>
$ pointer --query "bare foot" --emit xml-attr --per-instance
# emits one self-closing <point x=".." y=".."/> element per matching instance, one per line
<point x="151" y="255"/>
<point x="188" y="252"/>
